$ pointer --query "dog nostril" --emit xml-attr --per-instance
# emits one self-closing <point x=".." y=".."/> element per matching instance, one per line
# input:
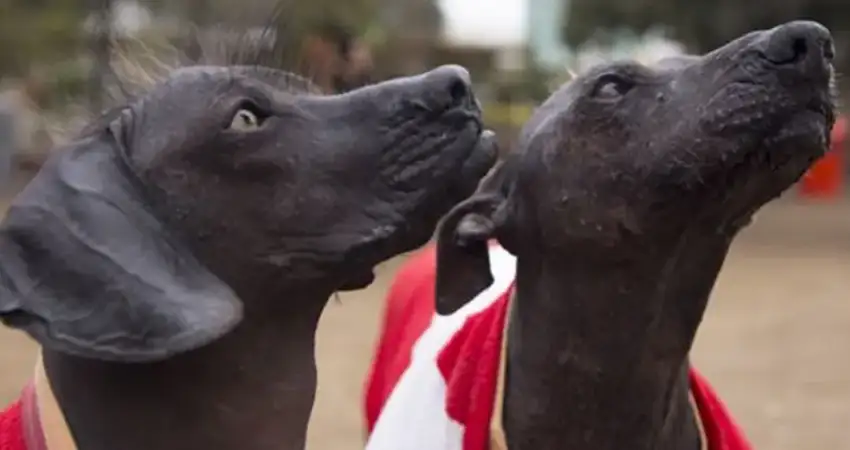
<point x="459" y="92"/>
<point x="799" y="47"/>
<point x="449" y="87"/>
<point x="801" y="43"/>
<point x="785" y="49"/>
<point x="829" y="50"/>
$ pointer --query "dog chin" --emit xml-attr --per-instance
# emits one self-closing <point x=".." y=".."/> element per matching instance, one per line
<point x="358" y="281"/>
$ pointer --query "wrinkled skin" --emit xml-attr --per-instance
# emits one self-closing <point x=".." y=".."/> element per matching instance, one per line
<point x="628" y="186"/>
<point x="354" y="179"/>
<point x="173" y="261"/>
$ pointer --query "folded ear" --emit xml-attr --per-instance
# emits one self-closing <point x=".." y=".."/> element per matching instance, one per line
<point x="87" y="269"/>
<point x="463" y="262"/>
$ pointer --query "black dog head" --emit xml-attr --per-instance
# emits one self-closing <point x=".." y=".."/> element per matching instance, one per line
<point x="225" y="187"/>
<point x="623" y="160"/>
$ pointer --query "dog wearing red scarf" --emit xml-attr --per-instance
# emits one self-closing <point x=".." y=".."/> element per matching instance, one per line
<point x="613" y="217"/>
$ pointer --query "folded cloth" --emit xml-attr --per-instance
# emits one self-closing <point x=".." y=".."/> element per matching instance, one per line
<point x="435" y="381"/>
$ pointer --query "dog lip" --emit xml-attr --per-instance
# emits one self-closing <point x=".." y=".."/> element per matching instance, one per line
<point x="825" y="109"/>
<point x="462" y="114"/>
<point x="487" y="134"/>
<point x="487" y="144"/>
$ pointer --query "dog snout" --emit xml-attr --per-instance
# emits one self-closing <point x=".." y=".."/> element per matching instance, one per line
<point x="449" y="87"/>
<point x="802" y="45"/>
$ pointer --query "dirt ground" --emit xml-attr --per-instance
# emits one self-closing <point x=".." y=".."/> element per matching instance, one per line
<point x="774" y="342"/>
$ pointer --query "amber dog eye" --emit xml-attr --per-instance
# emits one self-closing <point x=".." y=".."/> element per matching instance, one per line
<point x="247" y="118"/>
<point x="244" y="120"/>
<point x="611" y="86"/>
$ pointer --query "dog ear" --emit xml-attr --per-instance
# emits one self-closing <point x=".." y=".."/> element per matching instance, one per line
<point x="87" y="269"/>
<point x="463" y="262"/>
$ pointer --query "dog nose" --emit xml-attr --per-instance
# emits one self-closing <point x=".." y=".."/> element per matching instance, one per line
<point x="449" y="87"/>
<point x="807" y="46"/>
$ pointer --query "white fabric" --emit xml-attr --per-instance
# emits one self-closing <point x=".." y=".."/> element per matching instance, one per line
<point x="414" y="416"/>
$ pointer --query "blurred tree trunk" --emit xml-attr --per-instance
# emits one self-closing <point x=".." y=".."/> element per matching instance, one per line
<point x="100" y="48"/>
<point x="703" y="25"/>
<point x="201" y="12"/>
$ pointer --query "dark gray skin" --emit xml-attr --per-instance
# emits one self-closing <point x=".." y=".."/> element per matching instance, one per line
<point x="174" y="260"/>
<point x="620" y="203"/>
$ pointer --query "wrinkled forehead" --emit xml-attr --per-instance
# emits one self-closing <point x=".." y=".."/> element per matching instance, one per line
<point x="205" y="75"/>
<point x="673" y="63"/>
<point x="189" y="88"/>
<point x="545" y="114"/>
<point x="222" y="78"/>
<point x="562" y="100"/>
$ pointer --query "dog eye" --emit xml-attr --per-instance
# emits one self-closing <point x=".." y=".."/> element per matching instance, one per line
<point x="246" y="120"/>
<point x="611" y="86"/>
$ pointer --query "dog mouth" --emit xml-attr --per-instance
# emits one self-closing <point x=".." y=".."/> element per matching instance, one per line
<point x="825" y="107"/>
<point x="826" y="113"/>
<point x="806" y="135"/>
<point x="799" y="132"/>
<point x="469" y="143"/>
<point x="781" y="157"/>
<point x="482" y="155"/>
<point x="485" y="152"/>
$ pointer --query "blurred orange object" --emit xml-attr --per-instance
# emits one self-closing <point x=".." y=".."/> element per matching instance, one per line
<point x="825" y="178"/>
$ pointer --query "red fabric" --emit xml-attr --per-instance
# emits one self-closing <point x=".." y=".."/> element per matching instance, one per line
<point x="405" y="319"/>
<point x="463" y="350"/>
<point x="469" y="361"/>
<point x="721" y="431"/>
<point x="470" y="365"/>
<point x="20" y="424"/>
<point x="12" y="427"/>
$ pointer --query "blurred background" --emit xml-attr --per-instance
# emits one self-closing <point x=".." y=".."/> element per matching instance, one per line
<point x="58" y="56"/>
<point x="777" y="332"/>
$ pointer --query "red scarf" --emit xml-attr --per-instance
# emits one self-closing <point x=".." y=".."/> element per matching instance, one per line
<point x="449" y="385"/>
<point x="20" y="425"/>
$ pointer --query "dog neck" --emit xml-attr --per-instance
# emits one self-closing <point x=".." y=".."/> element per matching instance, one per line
<point x="251" y="390"/>
<point x="598" y="351"/>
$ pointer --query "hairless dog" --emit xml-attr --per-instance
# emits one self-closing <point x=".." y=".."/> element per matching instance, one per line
<point x="173" y="260"/>
<point x="619" y="206"/>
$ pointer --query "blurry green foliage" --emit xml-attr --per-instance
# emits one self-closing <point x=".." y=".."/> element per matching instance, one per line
<point x="529" y="85"/>
<point x="47" y="37"/>
<point x="38" y="31"/>
<point x="69" y="81"/>
<point x="702" y="24"/>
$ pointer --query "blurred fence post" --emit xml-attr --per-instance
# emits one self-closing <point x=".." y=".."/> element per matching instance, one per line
<point x="8" y="143"/>
<point x="100" y="47"/>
